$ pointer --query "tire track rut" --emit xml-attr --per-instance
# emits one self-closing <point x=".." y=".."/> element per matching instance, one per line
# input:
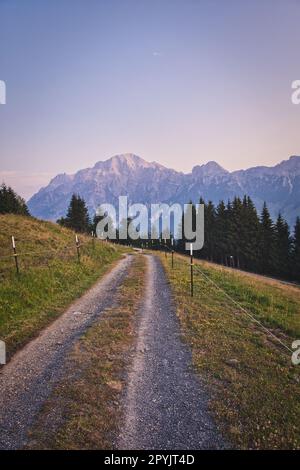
<point x="166" y="405"/>
<point x="28" y="379"/>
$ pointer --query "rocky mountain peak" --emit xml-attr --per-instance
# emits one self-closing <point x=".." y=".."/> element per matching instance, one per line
<point x="123" y="162"/>
<point x="288" y="166"/>
<point x="150" y="182"/>
<point x="210" y="168"/>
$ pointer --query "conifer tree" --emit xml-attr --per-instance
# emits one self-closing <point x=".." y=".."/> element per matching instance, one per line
<point x="236" y="236"/>
<point x="230" y="234"/>
<point x="221" y="233"/>
<point x="237" y="231"/>
<point x="77" y="217"/>
<point x="209" y="230"/>
<point x="282" y="248"/>
<point x="11" y="202"/>
<point x="267" y="240"/>
<point x="251" y="234"/>
<point x="295" y="256"/>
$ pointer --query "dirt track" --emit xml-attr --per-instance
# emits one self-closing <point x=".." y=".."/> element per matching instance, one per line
<point x="27" y="380"/>
<point x="166" y="403"/>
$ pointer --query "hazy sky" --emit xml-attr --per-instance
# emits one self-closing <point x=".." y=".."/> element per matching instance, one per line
<point x="176" y="81"/>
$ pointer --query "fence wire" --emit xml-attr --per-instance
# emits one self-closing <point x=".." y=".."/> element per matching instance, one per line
<point x="198" y="270"/>
<point x="66" y="252"/>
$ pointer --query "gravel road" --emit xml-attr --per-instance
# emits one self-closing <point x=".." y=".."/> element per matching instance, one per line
<point x="27" y="380"/>
<point x="165" y="402"/>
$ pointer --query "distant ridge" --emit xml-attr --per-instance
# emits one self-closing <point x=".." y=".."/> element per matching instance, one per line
<point x="151" y="182"/>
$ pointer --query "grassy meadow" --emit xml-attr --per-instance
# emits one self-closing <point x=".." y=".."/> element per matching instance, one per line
<point x="50" y="275"/>
<point x="255" y="386"/>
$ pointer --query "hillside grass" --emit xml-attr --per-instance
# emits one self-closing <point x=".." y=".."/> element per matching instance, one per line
<point x="50" y="275"/>
<point x="85" y="410"/>
<point x="255" y="388"/>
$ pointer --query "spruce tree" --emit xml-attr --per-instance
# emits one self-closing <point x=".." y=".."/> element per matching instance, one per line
<point x="11" y="202"/>
<point x="295" y="264"/>
<point x="230" y="235"/>
<point x="251" y="234"/>
<point x="221" y="233"/>
<point x="237" y="232"/>
<point x="282" y="248"/>
<point x="209" y="230"/>
<point x="77" y="217"/>
<point x="267" y="241"/>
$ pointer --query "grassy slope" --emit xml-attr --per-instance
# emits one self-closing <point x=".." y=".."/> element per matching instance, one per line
<point x="50" y="275"/>
<point x="256" y="387"/>
<point x="85" y="411"/>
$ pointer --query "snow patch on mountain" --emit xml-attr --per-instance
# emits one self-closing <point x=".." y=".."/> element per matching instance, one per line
<point x="151" y="182"/>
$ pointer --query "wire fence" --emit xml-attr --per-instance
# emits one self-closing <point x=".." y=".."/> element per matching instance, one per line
<point x="23" y="257"/>
<point x="195" y="269"/>
<point x="19" y="261"/>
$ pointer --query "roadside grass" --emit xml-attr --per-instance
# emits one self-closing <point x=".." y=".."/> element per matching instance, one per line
<point x="84" y="411"/>
<point x="255" y="388"/>
<point x="50" y="276"/>
<point x="274" y="303"/>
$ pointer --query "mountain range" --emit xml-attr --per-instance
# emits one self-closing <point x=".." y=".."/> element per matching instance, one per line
<point x="150" y="182"/>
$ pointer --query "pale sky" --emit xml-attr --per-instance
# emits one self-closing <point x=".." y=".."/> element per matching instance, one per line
<point x="180" y="82"/>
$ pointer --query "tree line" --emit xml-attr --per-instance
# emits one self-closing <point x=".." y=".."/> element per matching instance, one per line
<point x="235" y="234"/>
<point x="11" y="202"/>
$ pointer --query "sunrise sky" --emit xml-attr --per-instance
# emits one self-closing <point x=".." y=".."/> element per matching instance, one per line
<point x="180" y="82"/>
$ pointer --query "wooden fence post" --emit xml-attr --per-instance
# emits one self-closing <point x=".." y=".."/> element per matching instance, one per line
<point x="172" y="244"/>
<point x="15" y="254"/>
<point x="2" y="353"/>
<point x="77" y="247"/>
<point x="192" y="273"/>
